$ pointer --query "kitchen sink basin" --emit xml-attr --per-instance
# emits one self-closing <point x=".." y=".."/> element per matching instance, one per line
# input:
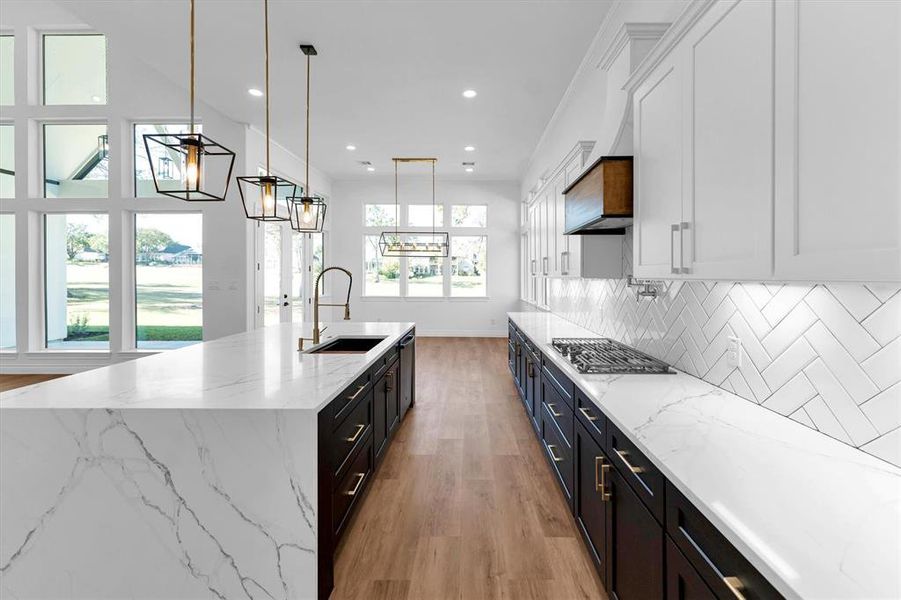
<point x="347" y="345"/>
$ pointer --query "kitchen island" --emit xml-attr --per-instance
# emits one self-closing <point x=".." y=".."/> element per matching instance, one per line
<point x="192" y="473"/>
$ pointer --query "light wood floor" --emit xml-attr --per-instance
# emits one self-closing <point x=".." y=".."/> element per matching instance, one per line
<point x="464" y="505"/>
<point x="11" y="382"/>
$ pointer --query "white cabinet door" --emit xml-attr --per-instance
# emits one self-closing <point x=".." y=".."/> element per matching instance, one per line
<point x="658" y="112"/>
<point x="838" y="131"/>
<point x="727" y="214"/>
<point x="573" y="249"/>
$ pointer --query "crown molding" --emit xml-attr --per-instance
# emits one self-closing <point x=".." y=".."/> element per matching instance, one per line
<point x="627" y="33"/>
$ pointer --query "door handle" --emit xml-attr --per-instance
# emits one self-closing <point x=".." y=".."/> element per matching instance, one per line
<point x="356" y="436"/>
<point x="532" y="270"/>
<point x="356" y="489"/>
<point x="564" y="262"/>
<point x="674" y="228"/>
<point x="284" y="304"/>
<point x="357" y="393"/>
<point x="683" y="226"/>
<point x="605" y="468"/>
<point x="555" y="414"/>
<point x="587" y="414"/>
<point x="544" y="265"/>
<point x="554" y="457"/>
<point x="622" y="456"/>
<point x="735" y="586"/>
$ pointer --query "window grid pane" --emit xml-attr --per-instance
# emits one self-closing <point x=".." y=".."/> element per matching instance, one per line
<point x="382" y="272"/>
<point x="74" y="69"/>
<point x="7" y="161"/>
<point x="76" y="281"/>
<point x="76" y="161"/>
<point x="7" y="70"/>
<point x="168" y="279"/>
<point x="425" y="276"/>
<point x="468" y="266"/>
<point x="7" y="282"/>
<point x="420" y="215"/>
<point x="469" y="215"/>
<point x="380" y="215"/>
<point x="167" y="165"/>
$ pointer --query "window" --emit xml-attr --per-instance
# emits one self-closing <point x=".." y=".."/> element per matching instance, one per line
<point x="425" y="276"/>
<point x="7" y="282"/>
<point x="168" y="279"/>
<point x="74" y="69"/>
<point x="167" y="165"/>
<point x="318" y="250"/>
<point x="76" y="161"/>
<point x="76" y="281"/>
<point x="469" y="215"/>
<point x="297" y="271"/>
<point x="272" y="273"/>
<point x="382" y="272"/>
<point x="7" y="161"/>
<point x="380" y="215"/>
<point x="420" y="215"/>
<point x="468" y="265"/>
<point x="7" y="70"/>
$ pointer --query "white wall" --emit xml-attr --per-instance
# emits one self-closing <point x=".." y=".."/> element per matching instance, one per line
<point x="444" y="316"/>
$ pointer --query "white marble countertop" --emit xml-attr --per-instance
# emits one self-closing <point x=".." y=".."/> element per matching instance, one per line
<point x="253" y="370"/>
<point x="818" y="518"/>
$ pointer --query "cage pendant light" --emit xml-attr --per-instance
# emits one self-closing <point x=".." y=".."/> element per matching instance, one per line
<point x="307" y="210"/>
<point x="265" y="196"/>
<point x="189" y="166"/>
<point x="413" y="243"/>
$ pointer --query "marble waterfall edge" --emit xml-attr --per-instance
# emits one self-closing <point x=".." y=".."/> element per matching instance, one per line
<point x="158" y="503"/>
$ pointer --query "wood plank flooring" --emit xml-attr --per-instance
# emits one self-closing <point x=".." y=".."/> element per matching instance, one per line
<point x="464" y="505"/>
<point x="11" y="382"/>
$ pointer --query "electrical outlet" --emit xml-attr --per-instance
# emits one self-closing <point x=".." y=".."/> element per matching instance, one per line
<point x="494" y="321"/>
<point x="734" y="352"/>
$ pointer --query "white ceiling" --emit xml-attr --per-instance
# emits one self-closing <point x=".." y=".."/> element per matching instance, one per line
<point x="389" y="75"/>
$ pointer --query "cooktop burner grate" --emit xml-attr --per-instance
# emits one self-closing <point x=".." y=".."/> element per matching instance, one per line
<point x="603" y="355"/>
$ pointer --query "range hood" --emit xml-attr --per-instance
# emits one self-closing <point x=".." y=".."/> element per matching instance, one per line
<point x="600" y="201"/>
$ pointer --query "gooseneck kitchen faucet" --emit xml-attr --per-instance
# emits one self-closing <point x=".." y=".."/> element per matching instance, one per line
<point x="316" y="304"/>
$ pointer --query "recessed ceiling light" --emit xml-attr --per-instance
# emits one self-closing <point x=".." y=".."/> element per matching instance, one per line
<point x="255" y="92"/>
<point x="469" y="169"/>
<point x="470" y="148"/>
<point x="470" y="93"/>
<point x="351" y="147"/>
<point x="370" y="169"/>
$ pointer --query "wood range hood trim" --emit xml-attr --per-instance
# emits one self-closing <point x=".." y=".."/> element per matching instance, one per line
<point x="600" y="202"/>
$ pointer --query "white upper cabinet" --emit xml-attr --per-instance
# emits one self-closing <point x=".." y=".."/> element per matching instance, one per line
<point x="838" y="131"/>
<point x="658" y="170"/>
<point x="767" y="139"/>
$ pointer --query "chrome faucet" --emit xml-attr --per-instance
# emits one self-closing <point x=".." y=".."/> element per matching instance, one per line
<point x="316" y="304"/>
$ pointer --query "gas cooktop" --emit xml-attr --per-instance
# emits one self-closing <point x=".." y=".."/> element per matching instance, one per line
<point x="603" y="355"/>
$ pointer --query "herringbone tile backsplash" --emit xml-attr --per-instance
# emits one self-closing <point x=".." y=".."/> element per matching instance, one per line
<point x="827" y="356"/>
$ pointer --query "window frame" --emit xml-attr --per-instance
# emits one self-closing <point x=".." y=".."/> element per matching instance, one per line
<point x="42" y="168"/>
<point x="42" y="62"/>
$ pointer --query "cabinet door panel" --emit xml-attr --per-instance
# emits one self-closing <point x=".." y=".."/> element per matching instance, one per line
<point x="589" y="505"/>
<point x="573" y="261"/>
<point x="682" y="581"/>
<point x="658" y="169"/>
<point x="729" y="154"/>
<point x="379" y="418"/>
<point x="838" y="146"/>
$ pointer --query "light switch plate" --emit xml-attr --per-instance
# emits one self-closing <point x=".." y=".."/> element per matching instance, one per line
<point x="734" y="351"/>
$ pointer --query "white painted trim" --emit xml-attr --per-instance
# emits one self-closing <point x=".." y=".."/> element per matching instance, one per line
<point x="627" y="33"/>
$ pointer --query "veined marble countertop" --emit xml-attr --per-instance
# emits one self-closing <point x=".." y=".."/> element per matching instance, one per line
<point x="257" y="369"/>
<point x="818" y="518"/>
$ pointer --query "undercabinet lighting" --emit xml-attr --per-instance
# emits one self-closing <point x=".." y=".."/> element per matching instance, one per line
<point x="470" y="148"/>
<point x="351" y="147"/>
<point x="255" y="92"/>
<point x="469" y="94"/>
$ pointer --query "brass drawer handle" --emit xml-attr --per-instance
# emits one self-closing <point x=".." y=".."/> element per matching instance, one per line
<point x="598" y="462"/>
<point x="356" y="436"/>
<point x="587" y="414"/>
<point x="622" y="456"/>
<point x="605" y="494"/>
<point x="357" y="393"/>
<point x="550" y="407"/>
<point x="389" y="381"/>
<point x="356" y="489"/>
<point x="735" y="586"/>
<point x="554" y="457"/>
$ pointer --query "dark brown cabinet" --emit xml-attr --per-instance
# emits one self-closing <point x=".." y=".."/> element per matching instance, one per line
<point x="590" y="498"/>
<point x="407" y="373"/>
<point x="634" y="545"/>
<point x="386" y="409"/>
<point x="682" y="580"/>
<point x="558" y="452"/>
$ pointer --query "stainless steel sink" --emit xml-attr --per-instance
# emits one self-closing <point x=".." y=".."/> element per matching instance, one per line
<point x="347" y="345"/>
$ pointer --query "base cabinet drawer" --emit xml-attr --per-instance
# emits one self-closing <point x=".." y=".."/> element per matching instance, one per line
<point x="559" y="454"/>
<point x="637" y="470"/>
<point x="351" y="434"/>
<point x="728" y="574"/>
<point x="350" y="488"/>
<point x="682" y="580"/>
<point x="634" y="545"/>
<point x="557" y="408"/>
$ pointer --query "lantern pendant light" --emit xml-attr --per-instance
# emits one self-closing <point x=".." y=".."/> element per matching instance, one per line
<point x="307" y="211"/>
<point x="204" y="166"/>
<point x="413" y="243"/>
<point x="260" y="194"/>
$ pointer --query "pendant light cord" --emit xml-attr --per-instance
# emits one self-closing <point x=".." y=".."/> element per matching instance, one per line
<point x="306" y="185"/>
<point x="192" y="66"/>
<point x="433" y="200"/>
<point x="396" y="205"/>
<point x="266" y="38"/>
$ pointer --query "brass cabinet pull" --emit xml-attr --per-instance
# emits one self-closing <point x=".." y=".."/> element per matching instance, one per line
<point x="357" y="393"/>
<point x="518" y="349"/>
<point x="356" y="436"/>
<point x="622" y="456"/>
<point x="554" y="457"/>
<point x="389" y="383"/>
<point x="531" y="368"/>
<point x="356" y="489"/>
<point x="550" y="407"/>
<point x="735" y="586"/>
<point x="587" y="414"/>
<point x="605" y="494"/>
<point x="598" y="462"/>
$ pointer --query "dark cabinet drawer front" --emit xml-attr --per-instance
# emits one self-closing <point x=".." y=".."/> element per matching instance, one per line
<point x="351" y="434"/>
<point x="383" y="362"/>
<point x="559" y="454"/>
<point x="560" y="381"/>
<point x="350" y="488"/>
<point x="637" y="470"/>
<point x="557" y="410"/>
<point x="682" y="580"/>
<point x="347" y="399"/>
<point x="634" y="545"/>
<point x="590" y="499"/>
<point x="591" y="417"/>
<point x="723" y="568"/>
